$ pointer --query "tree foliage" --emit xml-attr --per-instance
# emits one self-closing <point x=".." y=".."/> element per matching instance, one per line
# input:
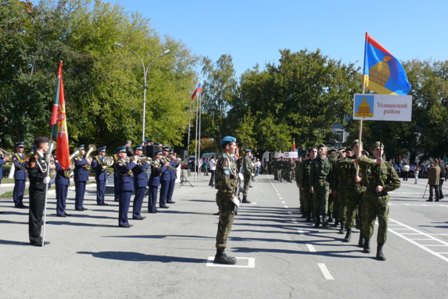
<point x="103" y="82"/>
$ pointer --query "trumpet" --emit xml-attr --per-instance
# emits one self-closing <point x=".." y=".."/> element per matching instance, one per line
<point x="141" y="160"/>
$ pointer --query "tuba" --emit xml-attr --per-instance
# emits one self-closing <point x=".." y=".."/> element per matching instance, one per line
<point x="92" y="148"/>
<point x="75" y="153"/>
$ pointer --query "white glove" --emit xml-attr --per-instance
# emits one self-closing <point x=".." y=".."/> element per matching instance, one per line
<point x="47" y="180"/>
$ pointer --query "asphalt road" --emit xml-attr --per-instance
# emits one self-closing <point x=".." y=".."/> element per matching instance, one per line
<point x="279" y="255"/>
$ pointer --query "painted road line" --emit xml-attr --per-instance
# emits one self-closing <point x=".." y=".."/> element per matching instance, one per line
<point x="280" y="197"/>
<point x="424" y="247"/>
<point x="286" y="206"/>
<point x="283" y="202"/>
<point x="325" y="272"/>
<point x="250" y="263"/>
<point x="311" y="248"/>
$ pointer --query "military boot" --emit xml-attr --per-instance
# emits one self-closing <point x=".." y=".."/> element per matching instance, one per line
<point x="222" y="258"/>
<point x="379" y="252"/>
<point x="361" y="241"/>
<point x="336" y="223"/>
<point x="348" y="235"/>
<point x="324" y="221"/>
<point x="317" y="223"/>
<point x="341" y="229"/>
<point x="366" y="246"/>
<point x="245" y="199"/>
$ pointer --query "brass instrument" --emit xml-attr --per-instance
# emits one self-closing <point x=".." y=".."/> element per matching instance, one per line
<point x="108" y="161"/>
<point x="92" y="148"/>
<point x="144" y="160"/>
<point x="75" y="153"/>
<point x="7" y="154"/>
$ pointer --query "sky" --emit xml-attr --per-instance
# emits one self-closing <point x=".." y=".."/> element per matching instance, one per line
<point x="253" y="31"/>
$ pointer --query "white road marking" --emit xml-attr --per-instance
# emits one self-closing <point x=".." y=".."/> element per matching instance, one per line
<point x="286" y="206"/>
<point x="311" y="248"/>
<point x="250" y="263"/>
<point x="283" y="202"/>
<point x="325" y="272"/>
<point x="280" y="197"/>
<point x="424" y="247"/>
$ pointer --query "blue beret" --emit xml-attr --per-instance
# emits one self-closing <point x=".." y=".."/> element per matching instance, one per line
<point x="20" y="144"/>
<point x="138" y="147"/>
<point x="81" y="146"/>
<point x="102" y="149"/>
<point x="227" y="139"/>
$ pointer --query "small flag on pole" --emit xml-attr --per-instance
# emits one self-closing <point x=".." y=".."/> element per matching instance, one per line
<point x="383" y="73"/>
<point x="293" y="145"/>
<point x="196" y="91"/>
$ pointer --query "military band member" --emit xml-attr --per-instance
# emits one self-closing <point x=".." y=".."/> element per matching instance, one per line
<point x="248" y="169"/>
<point x="100" y="175"/>
<point x="165" y="178"/>
<point x="81" y="176"/>
<point x="37" y="167"/>
<point x="116" y="190"/>
<point x="379" y="177"/>
<point x="126" y="185"/>
<point x="3" y="159"/>
<point x="140" y="183"/>
<point x="174" y="163"/>
<point x="20" y="175"/>
<point x="62" y="182"/>
<point x="226" y="183"/>
<point x="154" y="182"/>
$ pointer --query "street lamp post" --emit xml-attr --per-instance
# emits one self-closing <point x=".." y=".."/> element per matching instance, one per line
<point x="145" y="85"/>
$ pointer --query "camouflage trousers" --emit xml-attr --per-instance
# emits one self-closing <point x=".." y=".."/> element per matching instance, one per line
<point x="342" y="206"/>
<point x="353" y="202"/>
<point x="321" y="193"/>
<point x="226" y="216"/>
<point x="247" y="179"/>
<point x="308" y="202"/>
<point x="333" y="205"/>
<point x="373" y="206"/>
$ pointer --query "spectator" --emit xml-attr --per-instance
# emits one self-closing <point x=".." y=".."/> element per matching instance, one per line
<point x="212" y="164"/>
<point x="416" y="172"/>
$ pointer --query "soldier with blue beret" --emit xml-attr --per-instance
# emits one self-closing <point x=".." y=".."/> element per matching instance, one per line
<point x="226" y="183"/>
<point x="248" y="169"/>
<point x="20" y="175"/>
<point x="100" y="175"/>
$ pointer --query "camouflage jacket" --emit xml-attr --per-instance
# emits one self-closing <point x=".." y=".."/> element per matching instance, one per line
<point x="374" y="175"/>
<point x="226" y="175"/>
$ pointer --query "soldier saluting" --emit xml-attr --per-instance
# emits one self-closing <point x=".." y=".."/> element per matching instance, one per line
<point x="226" y="183"/>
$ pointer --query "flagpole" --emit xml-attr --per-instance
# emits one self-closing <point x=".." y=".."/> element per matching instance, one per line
<point x="196" y="161"/>
<point x="200" y="124"/>
<point x="50" y="149"/>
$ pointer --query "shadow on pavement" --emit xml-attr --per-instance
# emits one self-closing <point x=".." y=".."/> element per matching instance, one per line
<point x="9" y="242"/>
<point x="140" y="257"/>
<point x="338" y="254"/>
<point x="161" y="236"/>
<point x="79" y="224"/>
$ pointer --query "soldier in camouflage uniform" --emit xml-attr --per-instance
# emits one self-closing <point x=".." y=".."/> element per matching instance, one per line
<point x="353" y="192"/>
<point x="379" y="177"/>
<point x="332" y="178"/>
<point x="226" y="183"/>
<point x="298" y="176"/>
<point x="320" y="186"/>
<point x="304" y="182"/>
<point x="248" y="170"/>
<point x="339" y="194"/>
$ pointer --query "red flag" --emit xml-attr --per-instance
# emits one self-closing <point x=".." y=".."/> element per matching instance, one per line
<point x="293" y="145"/>
<point x="62" y="150"/>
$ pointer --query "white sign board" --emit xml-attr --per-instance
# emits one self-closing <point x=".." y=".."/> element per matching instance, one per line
<point x="382" y="107"/>
<point x="291" y="155"/>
